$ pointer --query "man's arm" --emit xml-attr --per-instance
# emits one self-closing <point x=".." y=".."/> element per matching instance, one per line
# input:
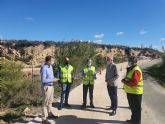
<point x="135" y="79"/>
<point x="106" y="75"/>
<point x="58" y="73"/>
<point x="73" y="76"/>
<point x="95" y="75"/>
<point x="82" y="73"/>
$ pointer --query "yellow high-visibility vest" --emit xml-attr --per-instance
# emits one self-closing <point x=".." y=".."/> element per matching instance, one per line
<point x="134" y="89"/>
<point x="89" y="75"/>
<point x="66" y="73"/>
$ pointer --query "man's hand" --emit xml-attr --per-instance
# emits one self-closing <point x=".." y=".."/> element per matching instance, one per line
<point x="123" y="80"/>
<point x="55" y="80"/>
<point x="72" y="78"/>
<point x="59" y="83"/>
<point x="108" y="82"/>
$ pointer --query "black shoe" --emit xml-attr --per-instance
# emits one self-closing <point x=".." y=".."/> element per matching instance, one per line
<point x="113" y="113"/>
<point x="92" y="106"/>
<point x="83" y="106"/>
<point x="60" y="107"/>
<point x="67" y="105"/>
<point x="52" y="116"/>
<point x="110" y="108"/>
<point x="129" y="121"/>
<point x="45" y="122"/>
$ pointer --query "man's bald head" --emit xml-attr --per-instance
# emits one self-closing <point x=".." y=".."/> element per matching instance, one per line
<point x="110" y="59"/>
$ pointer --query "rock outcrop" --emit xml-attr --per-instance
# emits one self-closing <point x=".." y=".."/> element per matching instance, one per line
<point x="26" y="54"/>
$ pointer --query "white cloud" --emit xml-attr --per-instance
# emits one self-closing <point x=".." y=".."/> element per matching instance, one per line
<point x="162" y="39"/>
<point x="28" y="19"/>
<point x="99" y="36"/>
<point x="98" y="41"/>
<point x="142" y="32"/>
<point x="119" y="33"/>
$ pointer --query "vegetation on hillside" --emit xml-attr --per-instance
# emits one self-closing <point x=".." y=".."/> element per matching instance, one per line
<point x="158" y="71"/>
<point x="78" y="52"/>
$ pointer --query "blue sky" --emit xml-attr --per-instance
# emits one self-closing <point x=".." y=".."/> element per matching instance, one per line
<point x="126" y="22"/>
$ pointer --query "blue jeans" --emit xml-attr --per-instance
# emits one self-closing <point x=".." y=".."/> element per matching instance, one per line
<point x="65" y="90"/>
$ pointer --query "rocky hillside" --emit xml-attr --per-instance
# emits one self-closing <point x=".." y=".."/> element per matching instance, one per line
<point x="24" y="51"/>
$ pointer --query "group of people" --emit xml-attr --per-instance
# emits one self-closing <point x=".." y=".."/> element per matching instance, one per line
<point x="133" y="86"/>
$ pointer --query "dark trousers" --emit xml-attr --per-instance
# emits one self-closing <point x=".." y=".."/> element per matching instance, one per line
<point x="135" y="106"/>
<point x="85" y="91"/>
<point x="65" y="90"/>
<point x="112" y="91"/>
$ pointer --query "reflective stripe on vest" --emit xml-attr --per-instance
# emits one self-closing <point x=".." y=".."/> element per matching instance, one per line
<point x="66" y="73"/>
<point x="89" y="75"/>
<point x="135" y="89"/>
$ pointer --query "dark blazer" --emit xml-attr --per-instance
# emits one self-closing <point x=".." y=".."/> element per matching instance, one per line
<point x="111" y="74"/>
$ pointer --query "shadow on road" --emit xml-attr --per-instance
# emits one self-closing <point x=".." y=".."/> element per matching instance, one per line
<point x="70" y="119"/>
<point x="78" y="107"/>
<point x="96" y="109"/>
<point x="35" y="121"/>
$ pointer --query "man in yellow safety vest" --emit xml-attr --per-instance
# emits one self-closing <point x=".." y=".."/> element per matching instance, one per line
<point x="65" y="74"/>
<point x="89" y="75"/>
<point x="133" y="86"/>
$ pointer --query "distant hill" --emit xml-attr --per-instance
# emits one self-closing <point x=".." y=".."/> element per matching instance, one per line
<point x="23" y="51"/>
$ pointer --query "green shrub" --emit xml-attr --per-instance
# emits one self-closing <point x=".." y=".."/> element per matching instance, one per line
<point x="11" y="115"/>
<point x="100" y="62"/>
<point x="15" y="90"/>
<point x="119" y="59"/>
<point x="14" y="114"/>
<point x="158" y="71"/>
<point x="163" y="58"/>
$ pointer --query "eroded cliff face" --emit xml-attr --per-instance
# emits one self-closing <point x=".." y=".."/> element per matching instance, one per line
<point x="25" y="52"/>
<point x="118" y="52"/>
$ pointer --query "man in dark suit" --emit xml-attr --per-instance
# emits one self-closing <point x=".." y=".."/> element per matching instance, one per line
<point x="110" y="78"/>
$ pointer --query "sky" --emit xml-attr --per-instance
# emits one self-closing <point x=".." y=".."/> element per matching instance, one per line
<point x="125" y="22"/>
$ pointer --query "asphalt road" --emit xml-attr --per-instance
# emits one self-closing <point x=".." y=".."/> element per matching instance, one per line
<point x="153" y="100"/>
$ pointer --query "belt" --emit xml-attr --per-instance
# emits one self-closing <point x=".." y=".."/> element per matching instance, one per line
<point x="47" y="84"/>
